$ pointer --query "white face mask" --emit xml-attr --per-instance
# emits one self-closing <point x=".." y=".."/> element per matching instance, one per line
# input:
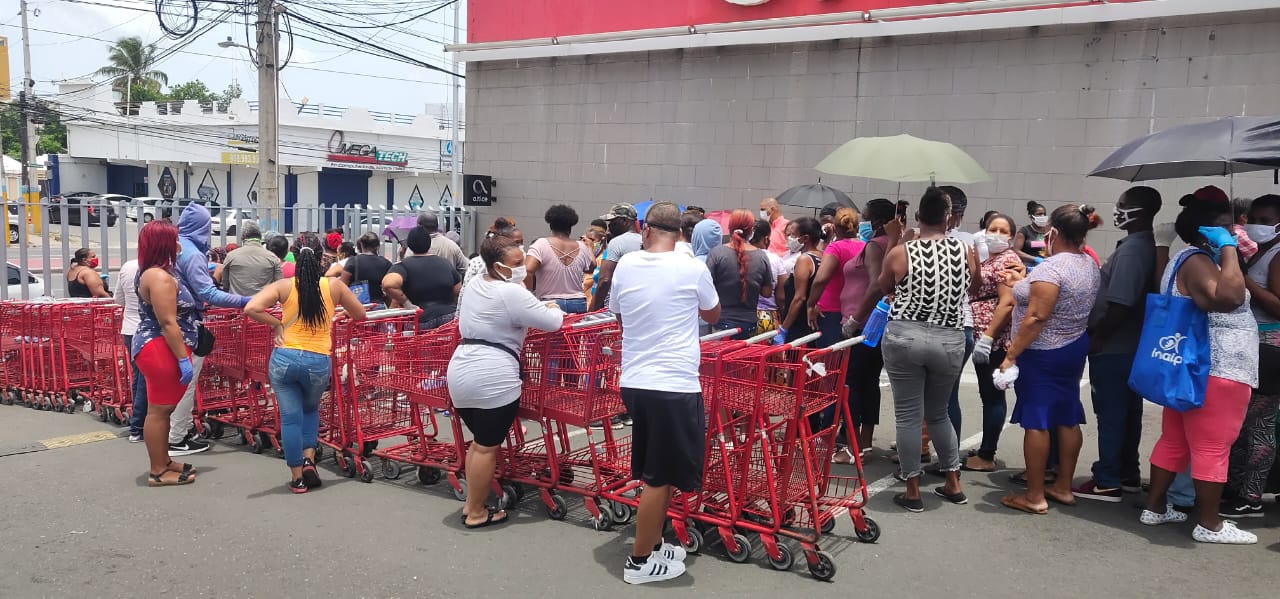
<point x="518" y="273"/>
<point x="1260" y="233"/>
<point x="1123" y="217"/>
<point x="793" y="245"/>
<point x="1041" y="220"/>
<point x="764" y="214"/>
<point x="997" y="243"/>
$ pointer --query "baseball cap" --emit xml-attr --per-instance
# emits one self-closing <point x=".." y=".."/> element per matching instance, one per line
<point x="1212" y="195"/>
<point x="620" y="211"/>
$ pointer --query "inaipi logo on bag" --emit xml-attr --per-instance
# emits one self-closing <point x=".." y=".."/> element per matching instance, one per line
<point x="1169" y="349"/>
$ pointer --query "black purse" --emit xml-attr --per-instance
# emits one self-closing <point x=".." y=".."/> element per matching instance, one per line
<point x="204" y="341"/>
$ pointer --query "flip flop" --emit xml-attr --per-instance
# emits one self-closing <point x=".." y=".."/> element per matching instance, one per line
<point x="1059" y="500"/>
<point x="1016" y="502"/>
<point x="965" y="466"/>
<point x="488" y="520"/>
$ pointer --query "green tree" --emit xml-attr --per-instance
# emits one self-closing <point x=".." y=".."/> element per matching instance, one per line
<point x="51" y="135"/>
<point x="192" y="90"/>
<point x="131" y="66"/>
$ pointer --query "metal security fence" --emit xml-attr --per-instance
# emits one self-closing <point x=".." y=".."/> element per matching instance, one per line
<point x="42" y="238"/>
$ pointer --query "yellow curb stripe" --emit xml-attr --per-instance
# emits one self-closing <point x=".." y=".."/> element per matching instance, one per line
<point x="81" y="439"/>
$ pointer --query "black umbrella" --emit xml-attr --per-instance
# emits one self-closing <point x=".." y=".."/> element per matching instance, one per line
<point x="1217" y="148"/>
<point x="814" y="195"/>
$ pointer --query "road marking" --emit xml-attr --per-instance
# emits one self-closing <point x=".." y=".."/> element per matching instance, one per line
<point x="81" y="439"/>
<point x="889" y="481"/>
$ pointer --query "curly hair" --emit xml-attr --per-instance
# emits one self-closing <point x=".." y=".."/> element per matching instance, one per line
<point x="561" y="219"/>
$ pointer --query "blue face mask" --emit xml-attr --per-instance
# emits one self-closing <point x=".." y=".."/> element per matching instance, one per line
<point x="865" y="231"/>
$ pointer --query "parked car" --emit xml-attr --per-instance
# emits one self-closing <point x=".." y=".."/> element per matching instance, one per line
<point x="95" y="205"/>
<point x="224" y="219"/>
<point x="117" y="201"/>
<point x="144" y="209"/>
<point x="35" y="286"/>
<point x="15" y="223"/>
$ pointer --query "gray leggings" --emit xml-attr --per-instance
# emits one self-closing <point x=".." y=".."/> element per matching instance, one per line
<point x="923" y="362"/>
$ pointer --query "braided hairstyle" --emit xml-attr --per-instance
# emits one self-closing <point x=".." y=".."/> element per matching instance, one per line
<point x="741" y="228"/>
<point x="306" y="277"/>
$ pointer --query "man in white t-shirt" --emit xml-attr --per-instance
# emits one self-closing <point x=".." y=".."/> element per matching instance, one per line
<point x="658" y="295"/>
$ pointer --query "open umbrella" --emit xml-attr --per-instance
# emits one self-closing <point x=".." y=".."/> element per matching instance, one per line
<point x="904" y="159"/>
<point x="1213" y="149"/>
<point x="398" y="229"/>
<point x="814" y="195"/>
<point x="643" y="208"/>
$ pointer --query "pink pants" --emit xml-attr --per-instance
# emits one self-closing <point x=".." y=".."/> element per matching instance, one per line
<point x="1203" y="436"/>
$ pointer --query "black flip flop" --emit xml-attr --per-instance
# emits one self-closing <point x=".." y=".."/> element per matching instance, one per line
<point x="488" y="520"/>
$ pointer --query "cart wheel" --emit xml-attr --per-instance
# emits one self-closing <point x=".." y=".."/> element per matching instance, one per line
<point x="70" y="408"/>
<point x="510" y="497"/>
<point x="566" y="475"/>
<point x="603" y="523"/>
<point x="367" y="449"/>
<point x="621" y="513"/>
<point x="823" y="569"/>
<point x="216" y="429"/>
<point x="785" y="558"/>
<point x="348" y="465"/>
<point x="245" y="436"/>
<point x="366" y="471"/>
<point x="560" y="510"/>
<point x="390" y="469"/>
<point x="695" y="540"/>
<point x="264" y="441"/>
<point x="871" y="534"/>
<point x="744" y="549"/>
<point x="319" y="454"/>
<point x="103" y="413"/>
<point x="828" y="526"/>
<point x="428" y="476"/>
<point x="461" y="492"/>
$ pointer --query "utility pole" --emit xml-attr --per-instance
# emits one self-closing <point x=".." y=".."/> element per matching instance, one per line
<point x="268" y="115"/>
<point x="455" y="182"/>
<point x="28" y="129"/>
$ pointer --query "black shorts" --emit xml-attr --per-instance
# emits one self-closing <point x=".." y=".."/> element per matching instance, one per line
<point x="668" y="437"/>
<point x="489" y="426"/>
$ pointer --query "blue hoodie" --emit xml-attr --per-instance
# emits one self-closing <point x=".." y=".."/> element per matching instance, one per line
<point x="194" y="230"/>
<point x="706" y="236"/>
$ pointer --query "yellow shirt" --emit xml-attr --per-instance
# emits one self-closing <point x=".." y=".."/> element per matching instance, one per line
<point x="297" y="334"/>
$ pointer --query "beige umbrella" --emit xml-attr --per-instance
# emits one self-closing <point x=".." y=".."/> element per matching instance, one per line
<point x="903" y="159"/>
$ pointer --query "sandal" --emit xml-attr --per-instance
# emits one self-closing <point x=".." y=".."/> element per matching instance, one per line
<point x="186" y="468"/>
<point x="1020" y="478"/>
<point x="982" y="467"/>
<point x="157" y="480"/>
<point x="488" y="519"/>
<point x="1058" y="500"/>
<point x="1019" y="502"/>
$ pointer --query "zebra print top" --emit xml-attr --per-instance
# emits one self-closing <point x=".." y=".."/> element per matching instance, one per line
<point x="936" y="287"/>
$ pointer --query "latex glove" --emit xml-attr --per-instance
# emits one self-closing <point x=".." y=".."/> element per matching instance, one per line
<point x="1218" y="237"/>
<point x="980" y="246"/>
<point x="1165" y="234"/>
<point x="1005" y="378"/>
<point x="1038" y="260"/>
<point x="781" y="337"/>
<point x="982" y="350"/>
<point x="850" y="328"/>
<point x="186" y="372"/>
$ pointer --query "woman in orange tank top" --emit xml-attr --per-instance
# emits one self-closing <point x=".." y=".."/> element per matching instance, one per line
<point x="301" y="363"/>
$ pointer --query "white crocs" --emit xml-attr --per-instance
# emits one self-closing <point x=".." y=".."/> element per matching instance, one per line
<point x="1227" y="535"/>
<point x="1170" y="515"/>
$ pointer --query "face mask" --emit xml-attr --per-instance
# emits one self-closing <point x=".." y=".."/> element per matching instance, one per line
<point x="793" y="245"/>
<point x="93" y="263"/>
<point x="1048" y="242"/>
<point x="1126" y="216"/>
<point x="517" y="273"/>
<point x="1258" y="233"/>
<point x="865" y="231"/>
<point x="997" y="243"/>
<point x="1041" y="220"/>
<point x="764" y="214"/>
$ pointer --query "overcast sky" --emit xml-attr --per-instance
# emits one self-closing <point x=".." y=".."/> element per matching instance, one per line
<point x="381" y="84"/>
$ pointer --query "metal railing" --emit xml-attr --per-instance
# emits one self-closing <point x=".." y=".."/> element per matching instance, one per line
<point x="36" y="262"/>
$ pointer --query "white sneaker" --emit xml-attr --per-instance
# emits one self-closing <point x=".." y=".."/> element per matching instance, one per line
<point x="671" y="553"/>
<point x="1228" y="535"/>
<point x="1170" y="515"/>
<point x="135" y="438"/>
<point x="842" y="456"/>
<point x="656" y="569"/>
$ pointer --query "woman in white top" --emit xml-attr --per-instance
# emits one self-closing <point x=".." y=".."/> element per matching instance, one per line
<point x="484" y="373"/>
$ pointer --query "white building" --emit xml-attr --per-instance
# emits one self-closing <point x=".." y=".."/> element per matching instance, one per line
<point x="328" y="156"/>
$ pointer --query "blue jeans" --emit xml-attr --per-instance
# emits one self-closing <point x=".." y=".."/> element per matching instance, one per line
<point x="299" y="379"/>
<point x="139" y="413"/>
<point x="577" y="305"/>
<point x="1182" y="492"/>
<point x="953" y="406"/>
<point x="1118" y="413"/>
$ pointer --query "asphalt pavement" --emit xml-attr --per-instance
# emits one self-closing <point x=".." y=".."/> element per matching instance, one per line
<point x="79" y="521"/>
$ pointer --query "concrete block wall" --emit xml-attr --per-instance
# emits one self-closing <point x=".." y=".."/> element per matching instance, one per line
<point x="725" y="127"/>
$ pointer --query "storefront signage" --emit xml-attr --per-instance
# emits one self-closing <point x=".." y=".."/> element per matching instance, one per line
<point x="478" y="190"/>
<point x="243" y="158"/>
<point x="344" y="154"/>
<point x="243" y="142"/>
<point x="167" y="185"/>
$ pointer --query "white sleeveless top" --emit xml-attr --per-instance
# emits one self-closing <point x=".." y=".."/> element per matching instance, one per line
<point x="1233" y="336"/>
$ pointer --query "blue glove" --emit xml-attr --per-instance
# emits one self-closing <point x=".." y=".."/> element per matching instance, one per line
<point x="1038" y="260"/>
<point x="1218" y="237"/>
<point x="186" y="371"/>
<point x="781" y="337"/>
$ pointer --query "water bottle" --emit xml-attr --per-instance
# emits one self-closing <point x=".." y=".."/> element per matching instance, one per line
<point x="874" y="329"/>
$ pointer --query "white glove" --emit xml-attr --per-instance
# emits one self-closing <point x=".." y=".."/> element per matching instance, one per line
<point x="1165" y="234"/>
<point x="982" y="350"/>
<point x="1005" y="378"/>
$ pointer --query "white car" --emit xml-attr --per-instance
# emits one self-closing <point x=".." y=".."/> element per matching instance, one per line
<point x="35" y="286"/>
<point x="144" y="209"/>
<point x="15" y="223"/>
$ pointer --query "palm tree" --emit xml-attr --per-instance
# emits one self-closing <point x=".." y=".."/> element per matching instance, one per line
<point x="131" y="62"/>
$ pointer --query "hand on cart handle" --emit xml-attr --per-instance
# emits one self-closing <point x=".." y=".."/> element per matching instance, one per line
<point x="185" y="371"/>
<point x="781" y="336"/>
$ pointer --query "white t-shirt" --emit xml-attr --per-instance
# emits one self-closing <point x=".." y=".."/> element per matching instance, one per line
<point x="126" y="295"/>
<point x="683" y="247"/>
<point x="658" y="295"/>
<point x="486" y="377"/>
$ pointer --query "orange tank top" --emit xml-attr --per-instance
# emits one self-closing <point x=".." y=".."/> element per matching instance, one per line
<point x="297" y="334"/>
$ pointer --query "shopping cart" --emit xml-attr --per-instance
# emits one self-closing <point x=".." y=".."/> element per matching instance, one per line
<point x="223" y="385"/>
<point x="96" y="362"/>
<point x="11" y="340"/>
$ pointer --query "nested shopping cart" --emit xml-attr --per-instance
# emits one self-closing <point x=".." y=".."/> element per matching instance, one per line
<point x="11" y="341"/>
<point x="224" y="386"/>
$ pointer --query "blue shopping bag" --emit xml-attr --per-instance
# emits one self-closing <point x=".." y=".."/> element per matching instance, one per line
<point x="1171" y="368"/>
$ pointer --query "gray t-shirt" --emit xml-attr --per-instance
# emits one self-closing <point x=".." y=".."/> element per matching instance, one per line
<point x="622" y="245"/>
<point x="1127" y="276"/>
<point x="723" y="264"/>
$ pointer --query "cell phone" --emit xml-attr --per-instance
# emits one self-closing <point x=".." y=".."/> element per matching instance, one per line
<point x="903" y="205"/>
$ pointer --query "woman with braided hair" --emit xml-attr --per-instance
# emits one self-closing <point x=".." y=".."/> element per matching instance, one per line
<point x="300" y="364"/>
<point x="741" y="274"/>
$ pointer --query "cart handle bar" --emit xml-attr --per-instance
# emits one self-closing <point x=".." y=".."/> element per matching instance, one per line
<point x="393" y="313"/>
<point x="806" y="340"/>
<point x="762" y="337"/>
<point x="588" y="322"/>
<point x="839" y="345"/>
<point x="720" y="334"/>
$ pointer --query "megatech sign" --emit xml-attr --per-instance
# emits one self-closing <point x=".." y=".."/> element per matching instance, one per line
<point x="344" y="154"/>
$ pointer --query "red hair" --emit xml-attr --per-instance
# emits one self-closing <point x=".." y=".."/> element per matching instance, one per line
<point x="741" y="225"/>
<point x="157" y="245"/>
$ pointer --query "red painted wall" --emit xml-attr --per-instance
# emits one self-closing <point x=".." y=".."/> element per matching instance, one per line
<point x="503" y="20"/>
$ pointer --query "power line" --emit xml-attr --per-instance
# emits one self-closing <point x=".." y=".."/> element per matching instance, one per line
<point x="392" y="53"/>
